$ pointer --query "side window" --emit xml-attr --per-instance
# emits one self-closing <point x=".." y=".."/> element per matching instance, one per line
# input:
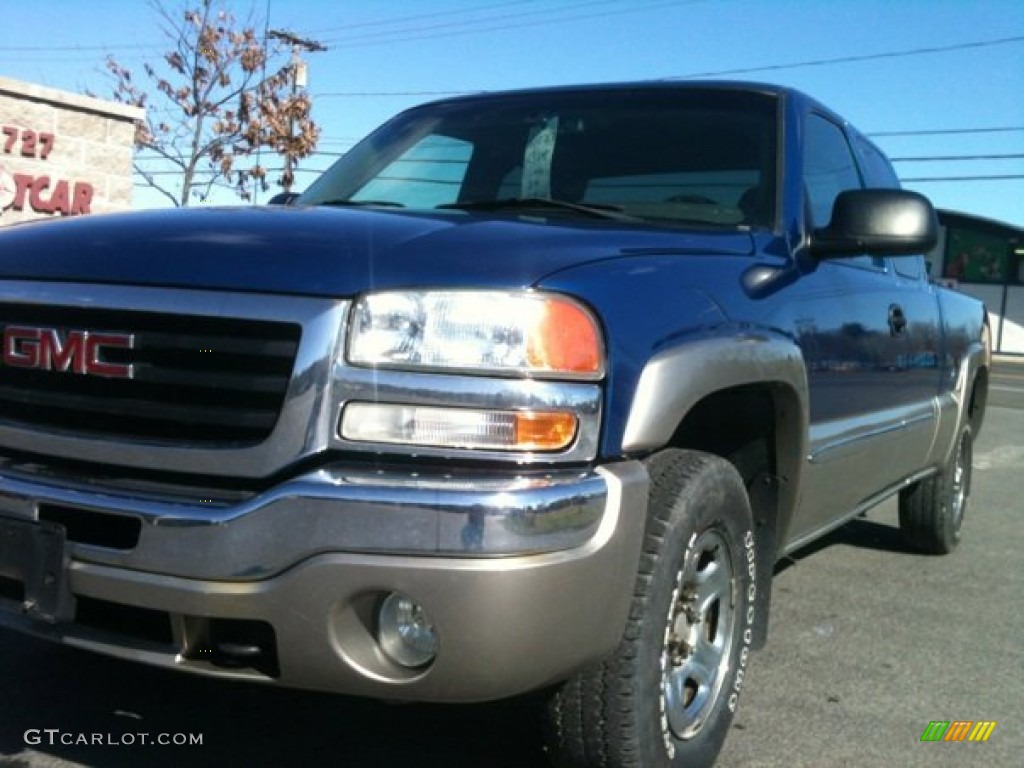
<point x="878" y="171"/>
<point x="427" y="174"/>
<point x="911" y="267"/>
<point x="829" y="167"/>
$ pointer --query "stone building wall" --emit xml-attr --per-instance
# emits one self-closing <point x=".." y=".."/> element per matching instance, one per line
<point x="62" y="154"/>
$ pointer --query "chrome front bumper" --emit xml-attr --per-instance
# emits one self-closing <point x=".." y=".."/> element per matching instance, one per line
<point x="526" y="578"/>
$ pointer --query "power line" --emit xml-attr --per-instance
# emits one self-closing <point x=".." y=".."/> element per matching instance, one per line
<point x="952" y="158"/>
<point x="418" y="16"/>
<point x="942" y="131"/>
<point x="393" y="93"/>
<point x="471" y="22"/>
<point x="387" y="36"/>
<point x="922" y="159"/>
<point x="851" y="59"/>
<point x="363" y="42"/>
<point x="1000" y="177"/>
<point x="966" y="178"/>
<point x="74" y="48"/>
<point x="922" y="132"/>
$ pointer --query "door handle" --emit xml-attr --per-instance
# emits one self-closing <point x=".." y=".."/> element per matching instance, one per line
<point x="897" y="320"/>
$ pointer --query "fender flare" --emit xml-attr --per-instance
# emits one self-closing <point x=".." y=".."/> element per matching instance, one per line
<point x="974" y="359"/>
<point x="676" y="379"/>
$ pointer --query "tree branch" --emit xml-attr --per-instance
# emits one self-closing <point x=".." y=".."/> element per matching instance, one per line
<point x="153" y="183"/>
<point x="210" y="104"/>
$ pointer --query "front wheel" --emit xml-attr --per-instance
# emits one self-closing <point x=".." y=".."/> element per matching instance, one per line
<point x="667" y="695"/>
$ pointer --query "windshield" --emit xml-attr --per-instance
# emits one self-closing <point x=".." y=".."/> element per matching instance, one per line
<point x="658" y="154"/>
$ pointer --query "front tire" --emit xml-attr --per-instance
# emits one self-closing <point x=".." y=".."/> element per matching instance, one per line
<point x="667" y="695"/>
<point x="932" y="510"/>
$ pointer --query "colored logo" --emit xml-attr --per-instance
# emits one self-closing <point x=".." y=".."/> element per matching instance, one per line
<point x="76" y="351"/>
<point x="958" y="730"/>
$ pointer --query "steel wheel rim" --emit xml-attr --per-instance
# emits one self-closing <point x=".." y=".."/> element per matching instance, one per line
<point x="699" y="634"/>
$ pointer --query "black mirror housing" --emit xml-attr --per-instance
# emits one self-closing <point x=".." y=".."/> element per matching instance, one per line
<point x="283" y="198"/>
<point x="878" y="222"/>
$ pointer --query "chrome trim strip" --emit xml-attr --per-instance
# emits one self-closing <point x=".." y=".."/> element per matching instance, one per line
<point x="299" y="431"/>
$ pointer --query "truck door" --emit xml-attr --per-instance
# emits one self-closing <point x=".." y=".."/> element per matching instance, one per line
<point x="871" y="419"/>
<point x="918" y="351"/>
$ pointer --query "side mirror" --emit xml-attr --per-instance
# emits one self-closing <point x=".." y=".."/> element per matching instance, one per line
<point x="877" y="222"/>
<point x="283" y="198"/>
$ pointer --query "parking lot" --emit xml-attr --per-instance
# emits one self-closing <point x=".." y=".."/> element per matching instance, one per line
<point x="1007" y="385"/>
<point x="869" y="643"/>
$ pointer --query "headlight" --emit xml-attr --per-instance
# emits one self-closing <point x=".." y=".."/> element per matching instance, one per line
<point x="525" y="334"/>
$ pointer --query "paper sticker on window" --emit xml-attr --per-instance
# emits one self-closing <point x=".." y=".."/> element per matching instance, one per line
<point x="540" y="149"/>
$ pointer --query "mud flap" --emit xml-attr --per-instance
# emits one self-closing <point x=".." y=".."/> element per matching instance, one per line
<point x="764" y="496"/>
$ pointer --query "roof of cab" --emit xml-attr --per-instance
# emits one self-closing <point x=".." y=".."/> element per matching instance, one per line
<point x="768" y="89"/>
<point x="675" y="85"/>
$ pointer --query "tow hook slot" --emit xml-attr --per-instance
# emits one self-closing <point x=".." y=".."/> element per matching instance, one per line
<point x="237" y="644"/>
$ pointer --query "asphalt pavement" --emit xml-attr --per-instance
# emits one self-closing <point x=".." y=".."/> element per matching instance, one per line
<point x="869" y="643"/>
<point x="1006" y="386"/>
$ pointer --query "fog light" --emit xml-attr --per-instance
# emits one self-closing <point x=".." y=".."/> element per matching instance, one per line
<point x="405" y="632"/>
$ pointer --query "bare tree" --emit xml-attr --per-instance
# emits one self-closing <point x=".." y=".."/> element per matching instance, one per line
<point x="213" y="104"/>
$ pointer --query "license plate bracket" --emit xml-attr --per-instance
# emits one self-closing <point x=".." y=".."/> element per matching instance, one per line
<point x="36" y="554"/>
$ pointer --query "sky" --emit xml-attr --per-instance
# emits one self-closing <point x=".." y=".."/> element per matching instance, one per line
<point x="924" y="78"/>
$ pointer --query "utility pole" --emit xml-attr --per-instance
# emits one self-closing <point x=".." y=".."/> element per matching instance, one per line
<point x="299" y="73"/>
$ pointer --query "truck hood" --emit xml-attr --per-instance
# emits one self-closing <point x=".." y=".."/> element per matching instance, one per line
<point x="329" y="251"/>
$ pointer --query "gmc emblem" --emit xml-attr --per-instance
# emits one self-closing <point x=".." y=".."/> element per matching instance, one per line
<point x="78" y="351"/>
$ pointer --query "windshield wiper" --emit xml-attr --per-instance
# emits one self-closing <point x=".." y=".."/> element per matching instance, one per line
<point x="594" y="211"/>
<point x="362" y="203"/>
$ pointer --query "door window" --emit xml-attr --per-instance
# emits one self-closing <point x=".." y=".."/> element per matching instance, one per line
<point x="829" y="168"/>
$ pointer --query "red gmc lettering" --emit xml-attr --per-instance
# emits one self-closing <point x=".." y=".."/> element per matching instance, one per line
<point x="25" y="354"/>
<point x="79" y="352"/>
<point x="55" y="357"/>
<point x="97" y="367"/>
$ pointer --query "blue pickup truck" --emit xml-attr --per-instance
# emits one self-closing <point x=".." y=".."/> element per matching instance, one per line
<point x="527" y="393"/>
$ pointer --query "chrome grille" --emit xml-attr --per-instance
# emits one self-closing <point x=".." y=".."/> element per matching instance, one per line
<point x="210" y="380"/>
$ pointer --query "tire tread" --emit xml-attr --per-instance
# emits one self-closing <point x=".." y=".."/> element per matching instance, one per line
<point x="596" y="722"/>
